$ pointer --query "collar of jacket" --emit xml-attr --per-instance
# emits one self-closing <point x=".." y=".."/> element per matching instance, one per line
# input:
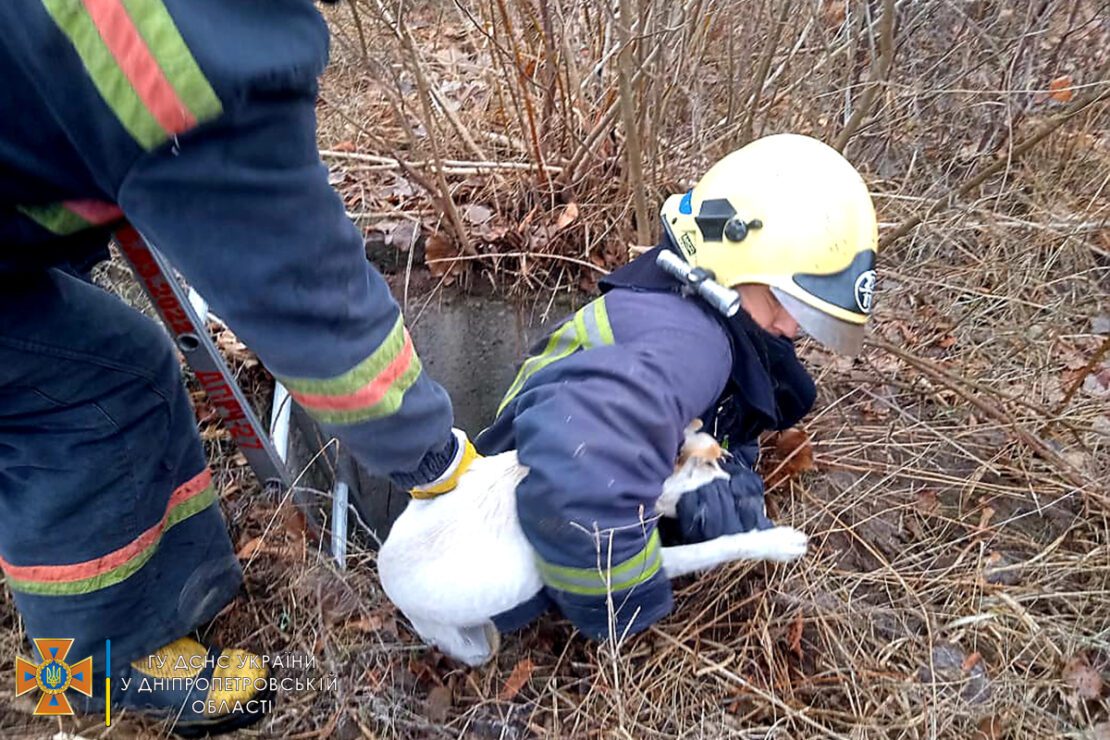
<point x="752" y="386"/>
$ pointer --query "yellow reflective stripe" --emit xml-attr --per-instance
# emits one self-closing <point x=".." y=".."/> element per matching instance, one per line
<point x="599" y="581"/>
<point x="55" y="218"/>
<point x="156" y="25"/>
<point x="588" y="328"/>
<point x="140" y="65"/>
<point x="592" y="321"/>
<point x="562" y="343"/>
<point x="110" y="81"/>
<point x="601" y="318"/>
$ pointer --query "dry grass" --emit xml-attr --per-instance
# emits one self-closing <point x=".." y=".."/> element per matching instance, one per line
<point x="959" y="513"/>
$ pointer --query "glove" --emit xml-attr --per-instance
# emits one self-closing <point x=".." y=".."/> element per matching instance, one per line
<point x="723" y="506"/>
<point x="465" y="455"/>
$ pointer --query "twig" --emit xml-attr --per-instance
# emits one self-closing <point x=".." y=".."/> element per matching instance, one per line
<point x="448" y="165"/>
<point x="529" y="108"/>
<point x="880" y="72"/>
<point x="1076" y="107"/>
<point x="1096" y="358"/>
<point x="740" y="681"/>
<point x="761" y="73"/>
<point x="632" y="147"/>
<point x="1069" y="471"/>
<point x="520" y="255"/>
<point x="426" y="105"/>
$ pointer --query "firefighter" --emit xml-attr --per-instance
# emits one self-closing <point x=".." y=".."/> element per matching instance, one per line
<point x="193" y="120"/>
<point x="597" y="412"/>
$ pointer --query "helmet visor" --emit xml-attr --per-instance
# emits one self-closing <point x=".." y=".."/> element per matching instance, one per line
<point x="838" y="335"/>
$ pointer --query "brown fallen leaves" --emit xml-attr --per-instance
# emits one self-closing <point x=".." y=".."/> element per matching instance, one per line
<point x="477" y="214"/>
<point x="522" y="672"/>
<point x="439" y="252"/>
<point x="926" y="501"/>
<point x="236" y="353"/>
<point x="794" y="635"/>
<point x="1061" y="90"/>
<point x="1082" y="678"/>
<point x="566" y="216"/>
<point x="989" y="728"/>
<point x="288" y="543"/>
<point x="438" y="704"/>
<point x="788" y="455"/>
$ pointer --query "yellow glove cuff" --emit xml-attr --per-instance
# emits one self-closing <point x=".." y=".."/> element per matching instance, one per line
<point x="451" y="479"/>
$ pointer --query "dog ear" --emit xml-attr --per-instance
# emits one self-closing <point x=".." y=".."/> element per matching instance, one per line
<point x="708" y="450"/>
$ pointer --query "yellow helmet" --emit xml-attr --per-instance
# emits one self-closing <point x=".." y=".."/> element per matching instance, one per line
<point x="789" y="212"/>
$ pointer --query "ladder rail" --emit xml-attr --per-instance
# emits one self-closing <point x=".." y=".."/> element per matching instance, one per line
<point x="190" y="333"/>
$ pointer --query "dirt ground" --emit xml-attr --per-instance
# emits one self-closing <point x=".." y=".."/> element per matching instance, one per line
<point x="953" y="478"/>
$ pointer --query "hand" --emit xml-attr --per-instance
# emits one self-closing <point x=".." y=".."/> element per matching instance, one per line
<point x="465" y="455"/>
<point x="724" y="506"/>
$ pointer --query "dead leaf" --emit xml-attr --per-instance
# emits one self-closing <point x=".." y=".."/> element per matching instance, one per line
<point x="794" y="448"/>
<point x="833" y="12"/>
<point x="998" y="570"/>
<point x="566" y="216"/>
<point x="248" y="550"/>
<point x="214" y="432"/>
<point x="369" y="623"/>
<point x="258" y="546"/>
<point x="1082" y="678"/>
<point x="294" y="521"/>
<point x="1061" y="90"/>
<point x="985" y="517"/>
<point x="439" y="247"/>
<point x="910" y="336"/>
<point x="794" y="635"/>
<point x="989" y="728"/>
<point x="528" y="219"/>
<point x="948" y="668"/>
<point x="788" y="455"/>
<point x="402" y="188"/>
<point x="345" y="146"/>
<point x="423" y="671"/>
<point x="1097" y="383"/>
<point x="382" y="620"/>
<point x="926" y="501"/>
<point x="234" y="350"/>
<point x="438" y="704"/>
<point x="971" y="661"/>
<point x="402" y="235"/>
<point x="946" y="341"/>
<point x="522" y="671"/>
<point x="203" y="408"/>
<point x="477" y="214"/>
<point x="492" y="232"/>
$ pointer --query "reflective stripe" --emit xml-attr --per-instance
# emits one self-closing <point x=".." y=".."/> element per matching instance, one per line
<point x="592" y="325"/>
<point x="160" y="33"/>
<point x="189" y="499"/>
<point x="588" y="328"/>
<point x="562" y="343"/>
<point x="139" y="64"/>
<point x="96" y="212"/>
<point x="372" y="389"/>
<point x="600" y="581"/>
<point x="72" y="216"/>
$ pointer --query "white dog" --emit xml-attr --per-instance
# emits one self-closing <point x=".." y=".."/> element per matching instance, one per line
<point x="453" y="562"/>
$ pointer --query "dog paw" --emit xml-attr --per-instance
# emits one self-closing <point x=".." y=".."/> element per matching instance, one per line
<point x="783" y="544"/>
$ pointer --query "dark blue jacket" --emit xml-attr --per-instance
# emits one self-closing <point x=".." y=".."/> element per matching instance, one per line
<point x="195" y="120"/>
<point x="597" y="413"/>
